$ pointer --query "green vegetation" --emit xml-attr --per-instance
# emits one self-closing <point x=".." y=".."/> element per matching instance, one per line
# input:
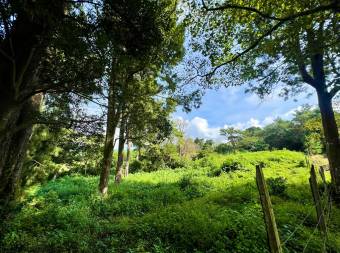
<point x="302" y="133"/>
<point x="198" y="208"/>
<point x="79" y="78"/>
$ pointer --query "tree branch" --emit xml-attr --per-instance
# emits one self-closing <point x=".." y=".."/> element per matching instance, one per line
<point x="334" y="91"/>
<point x="332" y="6"/>
<point x="17" y="83"/>
<point x="86" y="2"/>
<point x="307" y="78"/>
<point x="251" y="47"/>
<point x="239" y="7"/>
<point x="67" y="124"/>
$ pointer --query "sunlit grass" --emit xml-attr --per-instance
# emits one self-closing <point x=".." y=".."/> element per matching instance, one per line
<point x="193" y="209"/>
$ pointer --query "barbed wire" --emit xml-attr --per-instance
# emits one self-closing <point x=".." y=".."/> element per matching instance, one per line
<point x="301" y="223"/>
<point x="297" y="227"/>
<point x="327" y="198"/>
<point x="328" y="217"/>
<point x="304" y="249"/>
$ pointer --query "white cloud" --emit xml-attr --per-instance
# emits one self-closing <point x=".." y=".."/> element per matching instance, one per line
<point x="199" y="127"/>
<point x="268" y="120"/>
<point x="290" y="114"/>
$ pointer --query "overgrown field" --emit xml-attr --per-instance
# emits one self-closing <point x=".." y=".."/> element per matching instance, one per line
<point x="212" y="205"/>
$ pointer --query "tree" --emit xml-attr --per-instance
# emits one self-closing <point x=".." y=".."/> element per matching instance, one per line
<point x="276" y="43"/>
<point x="233" y="136"/>
<point x="26" y="29"/>
<point x="307" y="120"/>
<point x="143" y="36"/>
<point x="283" y="134"/>
<point x="252" y="140"/>
<point x="48" y="55"/>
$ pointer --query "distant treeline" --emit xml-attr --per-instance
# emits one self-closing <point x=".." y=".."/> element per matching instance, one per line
<point x="63" y="151"/>
<point x="302" y="133"/>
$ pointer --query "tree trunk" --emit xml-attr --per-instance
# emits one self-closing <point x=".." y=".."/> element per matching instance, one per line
<point x="13" y="146"/>
<point x="111" y="124"/>
<point x="22" y="49"/>
<point x="120" y="160"/>
<point x="331" y="133"/>
<point x="139" y="153"/>
<point x="128" y="155"/>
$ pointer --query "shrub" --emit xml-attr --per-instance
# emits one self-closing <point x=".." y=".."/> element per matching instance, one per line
<point x="185" y="182"/>
<point x="190" y="187"/>
<point x="223" y="148"/>
<point x="136" y="166"/>
<point x="229" y="166"/>
<point x="302" y="163"/>
<point x="214" y="173"/>
<point x="277" y="186"/>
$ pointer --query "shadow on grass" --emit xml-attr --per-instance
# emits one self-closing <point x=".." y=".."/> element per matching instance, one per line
<point x="147" y="217"/>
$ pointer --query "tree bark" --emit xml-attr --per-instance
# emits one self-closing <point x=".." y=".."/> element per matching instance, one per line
<point x="21" y="50"/>
<point x="111" y="124"/>
<point x="318" y="81"/>
<point x="331" y="133"/>
<point x="120" y="160"/>
<point x="13" y="146"/>
<point x="139" y="153"/>
<point x="128" y="155"/>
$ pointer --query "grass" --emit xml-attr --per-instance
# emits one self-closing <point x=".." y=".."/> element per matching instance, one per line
<point x="200" y="208"/>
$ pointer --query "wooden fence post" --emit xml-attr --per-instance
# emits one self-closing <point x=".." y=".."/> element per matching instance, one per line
<point x="323" y="177"/>
<point x="317" y="200"/>
<point x="272" y="232"/>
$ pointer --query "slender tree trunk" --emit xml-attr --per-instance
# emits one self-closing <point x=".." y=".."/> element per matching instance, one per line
<point x="111" y="124"/>
<point x="128" y="155"/>
<point x="120" y="160"/>
<point x="138" y="153"/>
<point x="331" y="133"/>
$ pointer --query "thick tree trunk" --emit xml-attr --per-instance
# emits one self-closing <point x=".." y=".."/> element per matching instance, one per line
<point x="22" y="49"/>
<point x="13" y="146"/>
<point x="112" y="122"/>
<point x="331" y="133"/>
<point x="128" y="155"/>
<point x="120" y="160"/>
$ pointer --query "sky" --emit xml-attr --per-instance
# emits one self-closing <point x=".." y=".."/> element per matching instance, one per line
<point x="233" y="107"/>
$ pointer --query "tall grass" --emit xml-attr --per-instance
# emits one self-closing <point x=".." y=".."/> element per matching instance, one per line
<point x="210" y="206"/>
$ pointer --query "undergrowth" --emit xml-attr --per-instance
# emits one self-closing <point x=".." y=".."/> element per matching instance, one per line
<point x="212" y="205"/>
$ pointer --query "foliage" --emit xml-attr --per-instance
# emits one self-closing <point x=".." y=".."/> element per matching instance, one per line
<point x="281" y="47"/>
<point x="302" y="133"/>
<point x="158" y="156"/>
<point x="252" y="140"/>
<point x="54" y="153"/>
<point x="229" y="166"/>
<point x="264" y="52"/>
<point x="223" y="148"/>
<point x="233" y="136"/>
<point x="277" y="186"/>
<point x="283" y="134"/>
<point x="179" y="210"/>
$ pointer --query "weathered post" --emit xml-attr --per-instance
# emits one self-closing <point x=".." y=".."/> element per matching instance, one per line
<point x="323" y="177"/>
<point x="317" y="200"/>
<point x="272" y="232"/>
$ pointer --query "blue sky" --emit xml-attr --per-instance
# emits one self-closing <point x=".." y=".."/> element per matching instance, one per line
<point x="232" y="107"/>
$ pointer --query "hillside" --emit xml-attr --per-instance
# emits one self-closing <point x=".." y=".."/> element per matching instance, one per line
<point x="212" y="205"/>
